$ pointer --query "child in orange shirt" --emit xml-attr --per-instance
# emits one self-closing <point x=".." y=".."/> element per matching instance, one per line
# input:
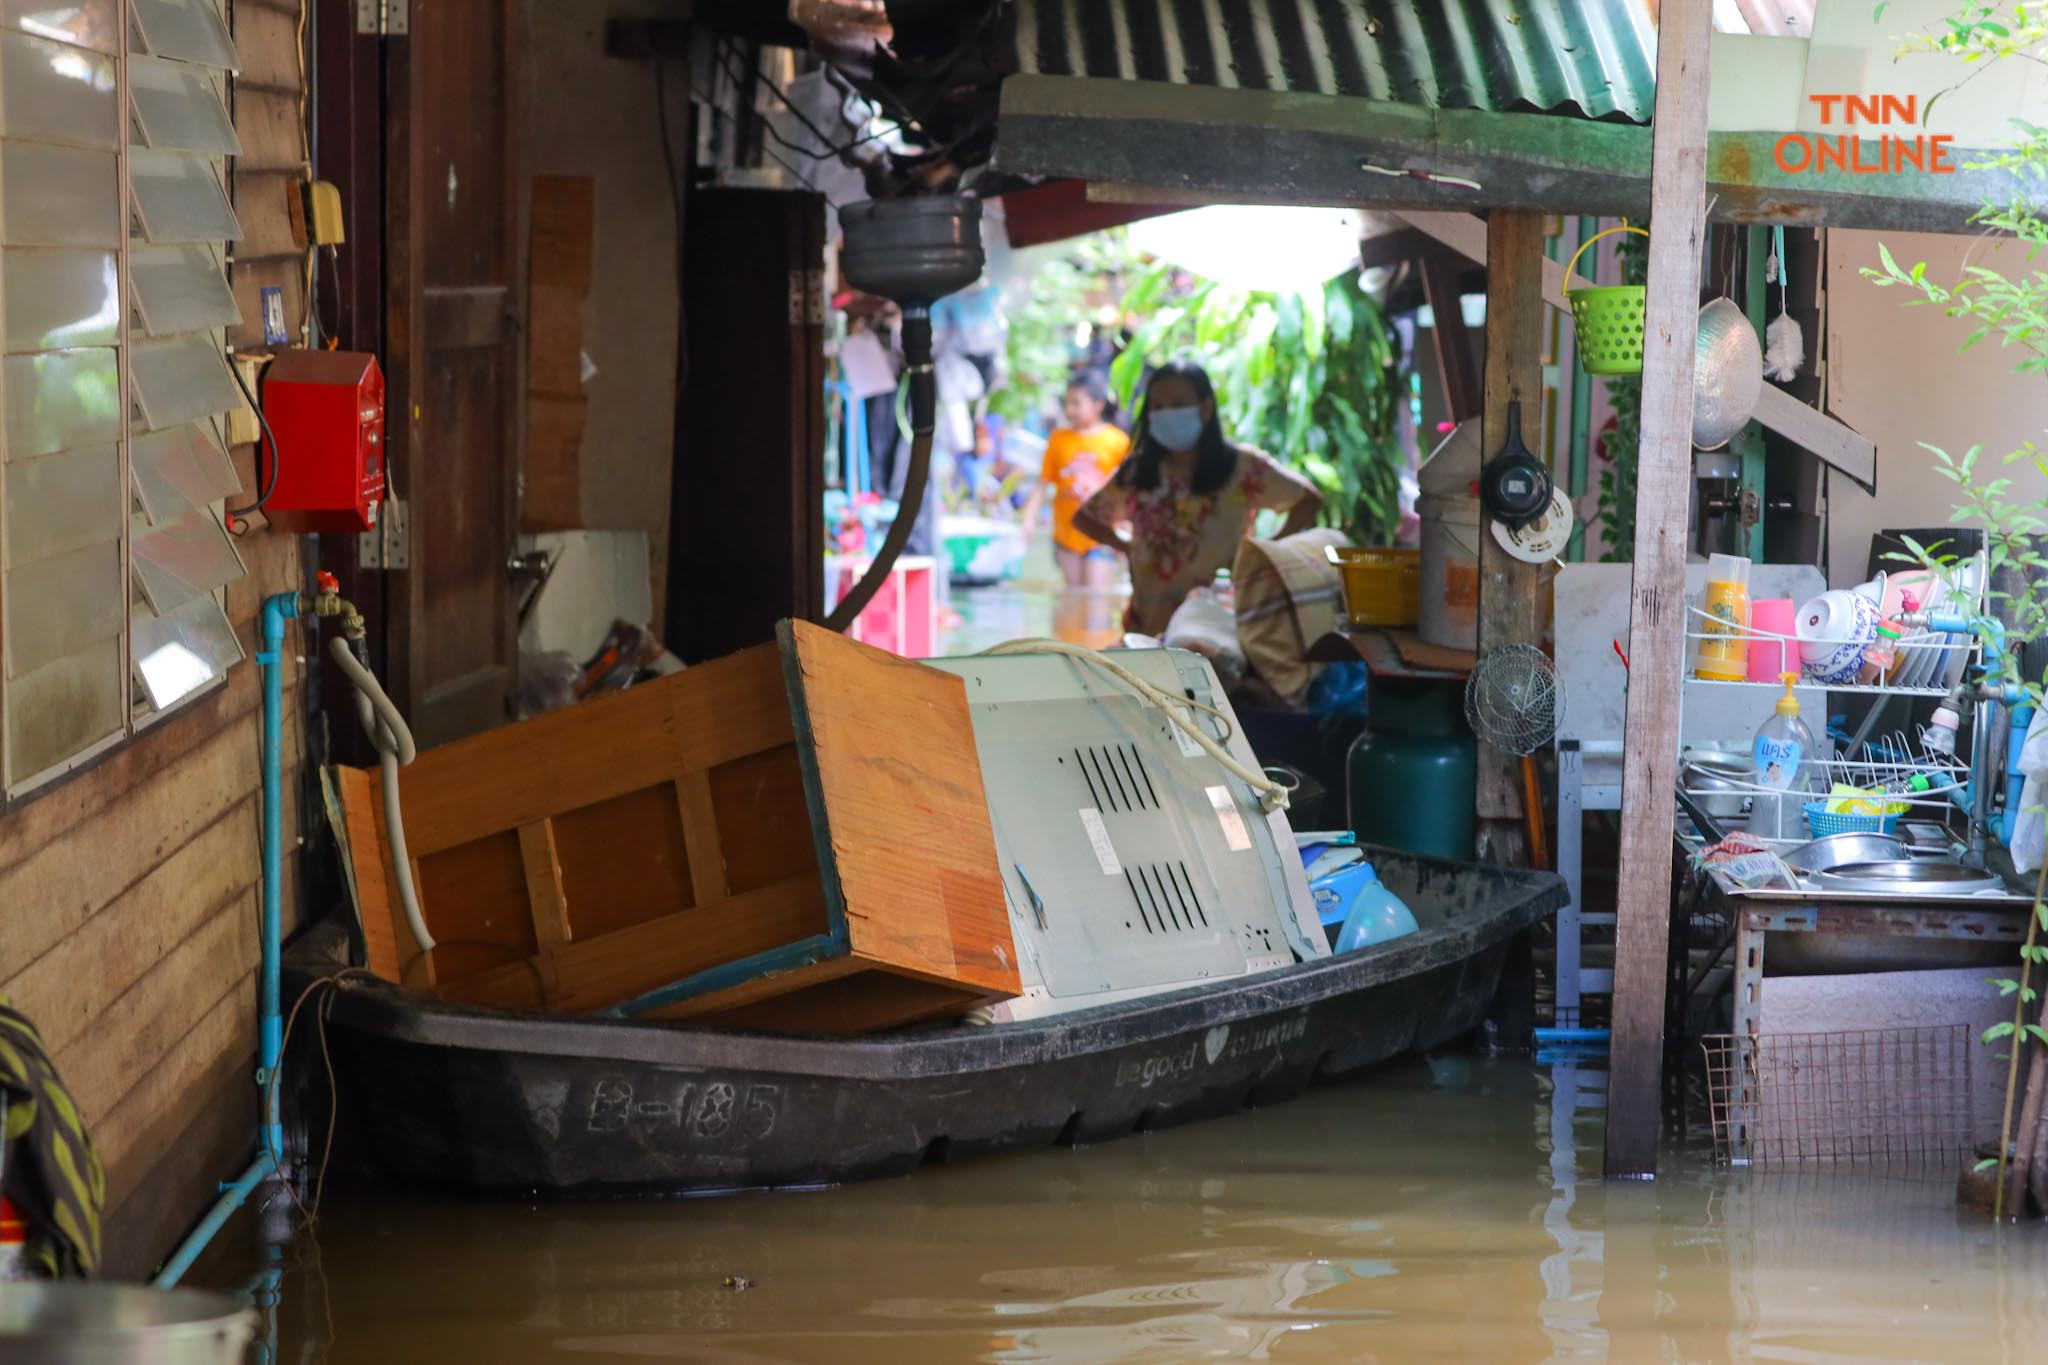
<point x="1079" y="459"/>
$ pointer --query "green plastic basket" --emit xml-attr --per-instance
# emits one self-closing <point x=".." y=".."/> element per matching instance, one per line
<point x="1608" y="319"/>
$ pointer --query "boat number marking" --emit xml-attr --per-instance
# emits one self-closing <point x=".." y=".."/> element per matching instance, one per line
<point x="1098" y="835"/>
<point x="707" y="1110"/>
<point x="1219" y="1044"/>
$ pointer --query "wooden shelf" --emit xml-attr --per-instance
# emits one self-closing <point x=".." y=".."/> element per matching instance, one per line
<point x="1393" y="654"/>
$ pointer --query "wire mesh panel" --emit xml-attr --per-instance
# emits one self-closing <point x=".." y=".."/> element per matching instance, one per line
<point x="1865" y="1097"/>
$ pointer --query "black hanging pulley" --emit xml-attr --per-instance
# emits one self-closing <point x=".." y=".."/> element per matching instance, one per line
<point x="1514" y="487"/>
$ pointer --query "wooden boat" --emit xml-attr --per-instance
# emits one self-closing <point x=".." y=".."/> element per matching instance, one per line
<point x="478" y="1099"/>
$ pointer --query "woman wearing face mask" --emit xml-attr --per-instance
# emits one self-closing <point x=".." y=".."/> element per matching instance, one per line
<point x="1188" y="496"/>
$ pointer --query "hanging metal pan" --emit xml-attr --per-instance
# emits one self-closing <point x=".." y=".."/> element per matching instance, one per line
<point x="1728" y="375"/>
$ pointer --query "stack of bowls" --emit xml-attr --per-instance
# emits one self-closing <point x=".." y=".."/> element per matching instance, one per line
<point x="1834" y="630"/>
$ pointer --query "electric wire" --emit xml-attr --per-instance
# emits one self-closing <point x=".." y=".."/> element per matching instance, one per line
<point x="1272" y="795"/>
<point x="332" y="981"/>
<point x="238" y="516"/>
<point x="899" y="122"/>
<point x="801" y="177"/>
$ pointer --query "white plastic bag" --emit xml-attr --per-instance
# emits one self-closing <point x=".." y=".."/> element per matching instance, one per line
<point x="2029" y="832"/>
<point x="1205" y="624"/>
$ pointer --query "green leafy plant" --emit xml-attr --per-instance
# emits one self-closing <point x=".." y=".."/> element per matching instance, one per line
<point x="2014" y="308"/>
<point x="1048" y="334"/>
<point x="1615" y="505"/>
<point x="1310" y="378"/>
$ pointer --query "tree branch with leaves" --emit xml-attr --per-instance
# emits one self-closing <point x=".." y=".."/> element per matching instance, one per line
<point x="2014" y="308"/>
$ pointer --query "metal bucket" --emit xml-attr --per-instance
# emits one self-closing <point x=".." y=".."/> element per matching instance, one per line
<point x="1450" y="571"/>
<point x="110" y="1324"/>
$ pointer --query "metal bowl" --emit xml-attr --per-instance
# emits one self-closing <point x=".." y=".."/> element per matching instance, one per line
<point x="109" y="1324"/>
<point x="1719" y="788"/>
<point x="1842" y="850"/>
<point x="1728" y="375"/>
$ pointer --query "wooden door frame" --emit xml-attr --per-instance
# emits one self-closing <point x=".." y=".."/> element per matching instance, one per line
<point x="348" y="151"/>
<point x="404" y="627"/>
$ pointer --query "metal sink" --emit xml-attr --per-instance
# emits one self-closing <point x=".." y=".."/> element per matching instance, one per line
<point x="1909" y="877"/>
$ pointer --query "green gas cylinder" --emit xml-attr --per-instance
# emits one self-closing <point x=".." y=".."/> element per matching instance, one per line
<point x="1412" y="777"/>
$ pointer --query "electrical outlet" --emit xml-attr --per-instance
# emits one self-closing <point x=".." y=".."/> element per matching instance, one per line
<point x="323" y="214"/>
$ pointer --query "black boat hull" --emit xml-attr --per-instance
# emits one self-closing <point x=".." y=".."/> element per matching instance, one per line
<point x="492" y="1102"/>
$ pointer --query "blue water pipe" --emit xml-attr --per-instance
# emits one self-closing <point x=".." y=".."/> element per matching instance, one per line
<point x="1572" y="1035"/>
<point x="856" y="425"/>
<point x="277" y="609"/>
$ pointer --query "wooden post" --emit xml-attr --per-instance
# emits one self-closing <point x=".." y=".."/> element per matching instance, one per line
<point x="1678" y="166"/>
<point x="1510" y="591"/>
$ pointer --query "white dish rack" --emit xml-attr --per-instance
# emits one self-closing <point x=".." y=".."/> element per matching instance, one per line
<point x="1929" y="662"/>
<point x="1893" y="761"/>
<point x="1932" y="662"/>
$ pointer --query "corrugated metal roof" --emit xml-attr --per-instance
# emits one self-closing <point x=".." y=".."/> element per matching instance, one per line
<point x="1595" y="57"/>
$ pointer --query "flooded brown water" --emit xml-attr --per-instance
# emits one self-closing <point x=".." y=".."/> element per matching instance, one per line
<point x="1435" y="1212"/>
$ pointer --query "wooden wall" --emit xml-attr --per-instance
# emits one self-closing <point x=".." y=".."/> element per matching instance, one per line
<point x="129" y="893"/>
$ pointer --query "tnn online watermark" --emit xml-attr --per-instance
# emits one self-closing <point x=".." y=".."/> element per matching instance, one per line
<point x="1887" y="154"/>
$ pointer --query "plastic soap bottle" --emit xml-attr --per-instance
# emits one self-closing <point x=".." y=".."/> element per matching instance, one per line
<point x="1880" y="655"/>
<point x="1376" y="916"/>
<point x="1940" y="735"/>
<point x="1724" y="639"/>
<point x="1779" y="758"/>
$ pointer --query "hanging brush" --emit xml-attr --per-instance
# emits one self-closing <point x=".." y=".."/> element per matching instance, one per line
<point x="1784" y="346"/>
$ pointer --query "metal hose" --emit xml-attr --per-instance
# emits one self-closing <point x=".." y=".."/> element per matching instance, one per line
<point x="388" y="731"/>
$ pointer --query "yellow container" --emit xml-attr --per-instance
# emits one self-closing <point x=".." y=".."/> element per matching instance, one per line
<point x="1724" y="639"/>
<point x="1382" y="586"/>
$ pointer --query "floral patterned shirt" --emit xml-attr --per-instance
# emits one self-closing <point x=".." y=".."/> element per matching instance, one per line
<point x="1179" y="539"/>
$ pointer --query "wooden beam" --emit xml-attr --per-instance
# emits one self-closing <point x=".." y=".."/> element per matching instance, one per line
<point x="1463" y="395"/>
<point x="1839" y="445"/>
<point x="1389" y="249"/>
<point x="708" y="883"/>
<point x="1510" y="591"/>
<point x="1849" y="451"/>
<point x="1286" y="146"/>
<point x="545" y="898"/>
<point x="1657" y="606"/>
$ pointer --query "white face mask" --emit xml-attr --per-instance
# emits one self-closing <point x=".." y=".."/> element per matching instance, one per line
<point x="1175" y="428"/>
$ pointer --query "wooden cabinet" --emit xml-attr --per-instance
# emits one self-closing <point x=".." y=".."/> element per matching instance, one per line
<point x="791" y="837"/>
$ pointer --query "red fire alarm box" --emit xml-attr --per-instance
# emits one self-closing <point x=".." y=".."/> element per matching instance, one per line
<point x="326" y="411"/>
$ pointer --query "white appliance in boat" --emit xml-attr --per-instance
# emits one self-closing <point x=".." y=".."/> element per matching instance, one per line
<point x="1133" y="862"/>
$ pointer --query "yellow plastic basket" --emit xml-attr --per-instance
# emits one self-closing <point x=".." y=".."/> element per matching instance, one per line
<point x="1608" y="319"/>
<point x="1382" y="586"/>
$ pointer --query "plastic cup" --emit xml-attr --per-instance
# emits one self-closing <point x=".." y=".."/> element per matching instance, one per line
<point x="1775" y="620"/>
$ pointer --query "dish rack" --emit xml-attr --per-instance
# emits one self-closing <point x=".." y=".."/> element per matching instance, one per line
<point x="1930" y="662"/>
<point x="1889" y="761"/>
